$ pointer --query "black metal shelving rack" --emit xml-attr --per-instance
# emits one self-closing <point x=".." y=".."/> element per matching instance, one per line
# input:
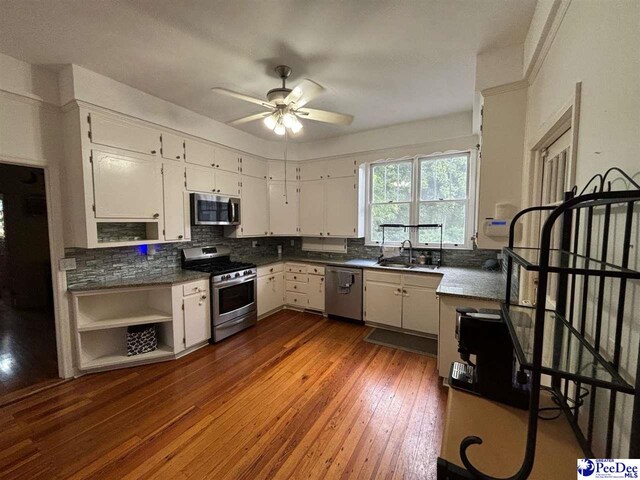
<point x="555" y="342"/>
<point x="417" y="225"/>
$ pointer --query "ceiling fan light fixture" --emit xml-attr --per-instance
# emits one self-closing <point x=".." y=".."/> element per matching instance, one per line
<point x="279" y="129"/>
<point x="296" y="126"/>
<point x="270" y="122"/>
<point x="288" y="119"/>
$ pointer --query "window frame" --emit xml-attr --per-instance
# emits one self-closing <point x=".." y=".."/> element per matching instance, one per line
<point x="414" y="205"/>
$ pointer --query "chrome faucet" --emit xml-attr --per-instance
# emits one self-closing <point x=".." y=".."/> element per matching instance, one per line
<point x="410" y="250"/>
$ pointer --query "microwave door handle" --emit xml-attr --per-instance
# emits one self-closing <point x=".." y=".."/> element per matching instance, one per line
<point x="232" y="211"/>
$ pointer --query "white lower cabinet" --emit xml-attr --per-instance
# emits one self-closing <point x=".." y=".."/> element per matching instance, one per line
<point x="270" y="288"/>
<point x="407" y="301"/>
<point x="197" y="321"/>
<point x="315" y="292"/>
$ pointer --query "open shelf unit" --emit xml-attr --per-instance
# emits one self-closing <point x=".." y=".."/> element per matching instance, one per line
<point x="102" y="318"/>
<point x="559" y="342"/>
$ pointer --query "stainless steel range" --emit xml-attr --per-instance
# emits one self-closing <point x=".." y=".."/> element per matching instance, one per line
<point x="233" y="289"/>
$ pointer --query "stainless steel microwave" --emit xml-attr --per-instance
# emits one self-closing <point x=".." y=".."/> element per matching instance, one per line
<point x="214" y="210"/>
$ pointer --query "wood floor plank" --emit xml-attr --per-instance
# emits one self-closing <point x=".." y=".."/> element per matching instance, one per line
<point x="298" y="396"/>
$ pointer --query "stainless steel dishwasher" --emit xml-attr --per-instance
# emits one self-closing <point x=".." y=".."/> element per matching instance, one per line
<point x="343" y="292"/>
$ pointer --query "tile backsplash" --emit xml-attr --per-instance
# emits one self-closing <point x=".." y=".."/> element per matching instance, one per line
<point x="105" y="264"/>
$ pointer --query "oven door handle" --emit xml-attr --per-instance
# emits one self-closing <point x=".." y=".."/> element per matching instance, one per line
<point x="229" y="283"/>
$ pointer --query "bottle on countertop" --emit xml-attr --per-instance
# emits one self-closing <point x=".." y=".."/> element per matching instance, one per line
<point x="279" y="252"/>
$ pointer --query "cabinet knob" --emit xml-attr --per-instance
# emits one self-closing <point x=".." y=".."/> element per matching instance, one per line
<point x="179" y="236"/>
<point x="156" y="215"/>
<point x="271" y="233"/>
<point x="320" y="233"/>
<point x="217" y="166"/>
<point x="177" y="157"/>
<point x="213" y="164"/>
<point x="203" y="297"/>
<point x="295" y="287"/>
<point x="271" y="269"/>
<point x="153" y="152"/>
<point x="328" y="233"/>
<point x="218" y="190"/>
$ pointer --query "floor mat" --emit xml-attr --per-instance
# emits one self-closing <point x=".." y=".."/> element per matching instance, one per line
<point x="404" y="341"/>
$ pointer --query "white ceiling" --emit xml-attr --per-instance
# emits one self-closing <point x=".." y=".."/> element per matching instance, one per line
<point x="385" y="62"/>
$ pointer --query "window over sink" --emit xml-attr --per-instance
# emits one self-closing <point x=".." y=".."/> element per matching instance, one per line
<point x="422" y="189"/>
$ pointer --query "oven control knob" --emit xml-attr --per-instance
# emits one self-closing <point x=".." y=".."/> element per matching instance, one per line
<point x="237" y="274"/>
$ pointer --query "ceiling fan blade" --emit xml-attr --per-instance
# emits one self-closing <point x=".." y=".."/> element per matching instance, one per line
<point x="324" y="116"/>
<point x="250" y="118"/>
<point x="242" y="96"/>
<point x="306" y="91"/>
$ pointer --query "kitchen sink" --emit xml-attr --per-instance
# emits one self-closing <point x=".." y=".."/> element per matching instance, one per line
<point x="394" y="264"/>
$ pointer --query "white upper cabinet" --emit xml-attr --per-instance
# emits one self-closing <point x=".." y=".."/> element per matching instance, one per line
<point x="174" y="201"/>
<point x="277" y="170"/>
<point x="341" y="167"/>
<point x="341" y="207"/>
<point x="227" y="160"/>
<point x="200" y="179"/>
<point x="227" y="183"/>
<point x="312" y="206"/>
<point x="199" y="153"/>
<point x="126" y="187"/>
<point x="253" y="167"/>
<point x="312" y="170"/>
<point x="254" y="209"/>
<point x="121" y="133"/>
<point x="172" y="146"/>
<point x="283" y="212"/>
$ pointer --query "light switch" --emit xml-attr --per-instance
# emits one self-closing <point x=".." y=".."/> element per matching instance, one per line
<point x="67" y="264"/>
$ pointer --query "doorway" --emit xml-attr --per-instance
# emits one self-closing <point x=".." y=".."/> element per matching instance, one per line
<point x="27" y="323"/>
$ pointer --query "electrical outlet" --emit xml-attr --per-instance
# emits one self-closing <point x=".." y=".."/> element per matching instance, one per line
<point x="254" y="243"/>
<point x="67" y="264"/>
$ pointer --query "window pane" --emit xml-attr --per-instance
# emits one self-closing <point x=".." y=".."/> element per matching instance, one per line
<point x="392" y="182"/>
<point x="450" y="214"/>
<point x="443" y="178"/>
<point x="389" y="213"/>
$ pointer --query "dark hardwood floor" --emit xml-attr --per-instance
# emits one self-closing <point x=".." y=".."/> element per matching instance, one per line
<point x="27" y="348"/>
<point x="298" y="396"/>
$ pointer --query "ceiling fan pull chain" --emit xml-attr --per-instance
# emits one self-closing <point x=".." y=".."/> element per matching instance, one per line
<point x="286" y="192"/>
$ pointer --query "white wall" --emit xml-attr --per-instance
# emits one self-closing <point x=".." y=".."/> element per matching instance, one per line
<point x="538" y="29"/>
<point x="597" y="43"/>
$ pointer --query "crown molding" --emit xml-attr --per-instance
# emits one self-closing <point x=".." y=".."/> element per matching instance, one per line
<point x="29" y="99"/>
<point x="507" y="87"/>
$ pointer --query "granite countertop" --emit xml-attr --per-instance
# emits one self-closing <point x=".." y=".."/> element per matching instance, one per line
<point x="456" y="281"/>
<point x="172" y="277"/>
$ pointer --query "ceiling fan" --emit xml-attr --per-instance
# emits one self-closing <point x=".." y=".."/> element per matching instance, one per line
<point x="285" y="106"/>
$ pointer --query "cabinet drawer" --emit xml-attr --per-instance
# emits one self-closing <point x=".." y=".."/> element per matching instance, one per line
<point x="295" y="268"/>
<point x="315" y="270"/>
<point x="296" y="277"/>
<point x="297" y="299"/>
<point x="422" y="280"/>
<point x="195" y="287"/>
<point x="297" y="287"/>
<point x="385" y="277"/>
<point x="269" y="269"/>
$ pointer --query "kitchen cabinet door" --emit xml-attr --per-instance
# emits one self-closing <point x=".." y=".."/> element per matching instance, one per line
<point x="199" y="153"/>
<point x="341" y="207"/>
<point x="270" y="293"/>
<point x="126" y="187"/>
<point x="227" y="183"/>
<point x="312" y="171"/>
<point x="200" y="179"/>
<point x="254" y="208"/>
<point x="277" y="170"/>
<point x="420" y="309"/>
<point x="341" y="167"/>
<point x="174" y="211"/>
<point x="315" y="292"/>
<point x="123" y="134"/>
<point x="172" y="146"/>
<point x="197" y="324"/>
<point x="312" y="208"/>
<point x="227" y="160"/>
<point x="283" y="213"/>
<point x="383" y="303"/>
<point x="253" y="167"/>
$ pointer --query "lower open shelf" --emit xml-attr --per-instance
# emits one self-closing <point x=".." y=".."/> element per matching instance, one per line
<point x="121" y="358"/>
